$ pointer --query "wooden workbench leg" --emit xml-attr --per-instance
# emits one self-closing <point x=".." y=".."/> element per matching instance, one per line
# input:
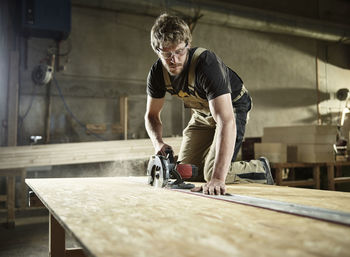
<point x="316" y="175"/>
<point x="57" y="244"/>
<point x="11" y="201"/>
<point x="279" y="176"/>
<point x="24" y="191"/>
<point x="330" y="177"/>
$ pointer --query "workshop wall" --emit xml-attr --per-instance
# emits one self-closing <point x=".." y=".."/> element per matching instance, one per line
<point x="108" y="56"/>
<point x="6" y="45"/>
<point x="3" y="70"/>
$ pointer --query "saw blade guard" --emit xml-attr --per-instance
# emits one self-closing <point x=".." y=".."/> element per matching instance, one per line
<point x="157" y="172"/>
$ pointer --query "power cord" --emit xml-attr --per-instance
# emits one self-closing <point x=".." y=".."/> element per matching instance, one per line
<point x="72" y="114"/>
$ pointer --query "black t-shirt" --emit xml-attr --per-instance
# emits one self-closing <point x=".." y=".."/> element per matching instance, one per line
<point x="212" y="78"/>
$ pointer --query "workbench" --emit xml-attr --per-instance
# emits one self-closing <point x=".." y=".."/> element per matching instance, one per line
<point x="15" y="160"/>
<point x="334" y="174"/>
<point x="120" y="216"/>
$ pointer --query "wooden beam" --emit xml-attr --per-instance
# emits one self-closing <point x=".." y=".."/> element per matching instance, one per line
<point x="13" y="88"/>
<point x="342" y="180"/>
<point x="124" y="115"/>
<point x="76" y="252"/>
<point x="11" y="201"/>
<point x="296" y="183"/>
<point x="330" y="177"/>
<point x="316" y="176"/>
<point x="74" y="153"/>
<point x="57" y="244"/>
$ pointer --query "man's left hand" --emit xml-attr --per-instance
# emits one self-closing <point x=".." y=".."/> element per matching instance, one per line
<point x="213" y="187"/>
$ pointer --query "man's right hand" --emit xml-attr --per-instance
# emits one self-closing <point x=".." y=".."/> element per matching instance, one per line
<point x="163" y="148"/>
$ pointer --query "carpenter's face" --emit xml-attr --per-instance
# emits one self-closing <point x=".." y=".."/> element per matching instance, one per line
<point x="174" y="57"/>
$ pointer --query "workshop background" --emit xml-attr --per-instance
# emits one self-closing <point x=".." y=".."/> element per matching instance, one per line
<point x="81" y="75"/>
<point x="81" y="71"/>
<point x="292" y="56"/>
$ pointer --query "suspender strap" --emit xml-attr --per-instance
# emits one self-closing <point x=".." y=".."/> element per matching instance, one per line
<point x="191" y="73"/>
<point x="243" y="90"/>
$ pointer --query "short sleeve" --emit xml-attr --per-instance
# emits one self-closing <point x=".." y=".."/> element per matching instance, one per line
<point x="155" y="81"/>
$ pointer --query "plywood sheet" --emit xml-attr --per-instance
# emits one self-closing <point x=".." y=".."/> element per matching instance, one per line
<point x="338" y="201"/>
<point x="121" y="217"/>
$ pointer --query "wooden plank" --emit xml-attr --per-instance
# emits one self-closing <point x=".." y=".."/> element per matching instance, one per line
<point x="338" y="201"/>
<point x="316" y="176"/>
<point x="74" y="253"/>
<point x="11" y="201"/>
<point x="57" y="243"/>
<point x="294" y="165"/>
<point x="330" y="177"/>
<point x="327" y="215"/>
<point x="124" y="115"/>
<point x="278" y="173"/>
<point x="13" y="87"/>
<point x="342" y="180"/>
<point x="126" y="218"/>
<point x="24" y="191"/>
<point x="74" y="153"/>
<point x="82" y="145"/>
<point x="12" y="172"/>
<point x="296" y="183"/>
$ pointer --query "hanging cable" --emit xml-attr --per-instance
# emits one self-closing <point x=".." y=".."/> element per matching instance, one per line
<point x="72" y="114"/>
<point x="22" y="118"/>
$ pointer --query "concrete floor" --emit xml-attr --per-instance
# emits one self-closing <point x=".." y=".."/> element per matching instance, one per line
<point x="30" y="239"/>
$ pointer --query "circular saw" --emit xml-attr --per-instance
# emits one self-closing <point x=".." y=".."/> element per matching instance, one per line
<point x="162" y="171"/>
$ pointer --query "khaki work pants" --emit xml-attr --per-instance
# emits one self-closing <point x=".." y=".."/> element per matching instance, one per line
<point x="198" y="148"/>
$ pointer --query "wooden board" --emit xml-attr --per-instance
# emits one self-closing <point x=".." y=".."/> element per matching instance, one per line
<point x="74" y="153"/>
<point x="126" y="217"/>
<point x="338" y="201"/>
<point x="12" y="104"/>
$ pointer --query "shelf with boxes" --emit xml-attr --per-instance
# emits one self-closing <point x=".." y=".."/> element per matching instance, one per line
<point x="294" y="148"/>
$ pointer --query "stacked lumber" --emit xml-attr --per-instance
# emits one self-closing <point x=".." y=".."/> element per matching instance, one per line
<point x="304" y="143"/>
<point x="75" y="153"/>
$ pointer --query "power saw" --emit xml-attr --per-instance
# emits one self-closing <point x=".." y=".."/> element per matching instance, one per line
<point x="162" y="171"/>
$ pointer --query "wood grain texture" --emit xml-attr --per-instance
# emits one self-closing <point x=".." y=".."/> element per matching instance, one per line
<point x="339" y="201"/>
<point x="12" y="104"/>
<point x="74" y="153"/>
<point x="126" y="217"/>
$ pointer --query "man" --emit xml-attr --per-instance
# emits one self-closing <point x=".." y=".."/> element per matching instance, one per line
<point x="219" y="101"/>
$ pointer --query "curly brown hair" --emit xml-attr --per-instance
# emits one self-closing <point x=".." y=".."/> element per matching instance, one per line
<point x="168" y="30"/>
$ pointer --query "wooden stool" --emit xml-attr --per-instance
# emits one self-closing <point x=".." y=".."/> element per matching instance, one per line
<point x="336" y="178"/>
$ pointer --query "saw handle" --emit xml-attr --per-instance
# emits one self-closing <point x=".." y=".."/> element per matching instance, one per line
<point x="170" y="155"/>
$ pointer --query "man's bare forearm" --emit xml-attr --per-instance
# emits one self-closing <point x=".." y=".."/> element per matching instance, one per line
<point x="225" y="145"/>
<point x="154" y="129"/>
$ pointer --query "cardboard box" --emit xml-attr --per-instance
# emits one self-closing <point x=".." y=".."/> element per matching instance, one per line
<point x="315" y="153"/>
<point x="303" y="134"/>
<point x="275" y="152"/>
